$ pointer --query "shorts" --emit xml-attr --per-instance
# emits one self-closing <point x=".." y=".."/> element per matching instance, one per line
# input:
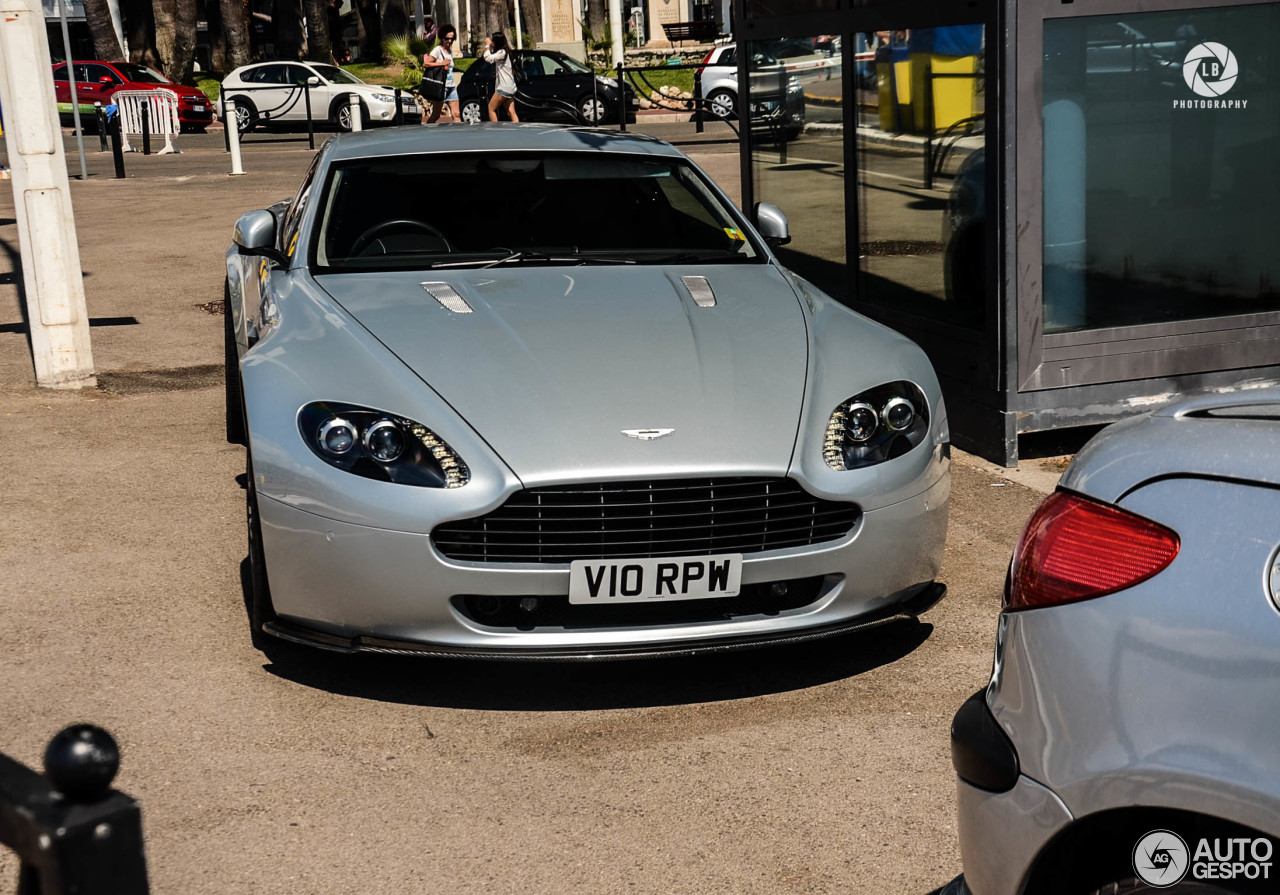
<point x="451" y="94"/>
<point x="505" y="94"/>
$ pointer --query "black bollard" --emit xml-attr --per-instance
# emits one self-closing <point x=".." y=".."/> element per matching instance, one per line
<point x="116" y="150"/>
<point x="101" y="126"/>
<point x="70" y="829"/>
<point x="622" y="99"/>
<point x="311" y="125"/>
<point x="146" y="128"/>
<point x="399" y="119"/>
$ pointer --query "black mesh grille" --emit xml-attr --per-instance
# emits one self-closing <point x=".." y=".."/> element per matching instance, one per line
<point x="771" y="598"/>
<point x="622" y="520"/>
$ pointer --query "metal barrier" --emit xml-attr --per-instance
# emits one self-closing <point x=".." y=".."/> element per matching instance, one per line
<point x="295" y="93"/>
<point x="72" y="832"/>
<point x="147" y="112"/>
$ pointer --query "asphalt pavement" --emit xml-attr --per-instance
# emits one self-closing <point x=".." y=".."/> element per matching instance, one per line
<point x="813" y="769"/>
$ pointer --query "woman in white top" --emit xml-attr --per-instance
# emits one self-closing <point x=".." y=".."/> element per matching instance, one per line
<point x="442" y="57"/>
<point x="498" y="53"/>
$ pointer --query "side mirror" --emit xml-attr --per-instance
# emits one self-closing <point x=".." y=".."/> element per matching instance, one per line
<point x="106" y="79"/>
<point x="255" y="235"/>
<point x="313" y="81"/>
<point x="772" y="224"/>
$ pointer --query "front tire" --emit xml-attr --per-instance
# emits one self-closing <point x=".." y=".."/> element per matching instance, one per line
<point x="234" y="393"/>
<point x="259" y="592"/>
<point x="342" y="116"/>
<point x="472" y="112"/>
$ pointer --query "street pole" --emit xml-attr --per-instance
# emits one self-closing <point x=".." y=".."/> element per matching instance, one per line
<point x="56" y="315"/>
<point x="71" y="82"/>
<point x="519" y="27"/>
<point x="615" y="28"/>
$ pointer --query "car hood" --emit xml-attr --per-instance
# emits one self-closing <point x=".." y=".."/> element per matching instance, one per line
<point x="551" y="366"/>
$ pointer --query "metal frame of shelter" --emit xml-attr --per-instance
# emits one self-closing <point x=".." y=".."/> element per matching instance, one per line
<point x="1010" y="377"/>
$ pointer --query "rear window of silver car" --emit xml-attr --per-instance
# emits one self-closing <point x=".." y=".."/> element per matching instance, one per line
<point x="480" y="209"/>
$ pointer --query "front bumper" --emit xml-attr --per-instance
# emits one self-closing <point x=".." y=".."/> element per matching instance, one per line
<point x="358" y="588"/>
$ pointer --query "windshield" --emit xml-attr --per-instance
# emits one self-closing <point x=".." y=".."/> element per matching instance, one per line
<point x="572" y="64"/>
<point x="141" y="74"/>
<point x="336" y="75"/>
<point x="485" y="209"/>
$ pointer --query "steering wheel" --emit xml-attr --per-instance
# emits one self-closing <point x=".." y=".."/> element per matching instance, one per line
<point x="368" y="236"/>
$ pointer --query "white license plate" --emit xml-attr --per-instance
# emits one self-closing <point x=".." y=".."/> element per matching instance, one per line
<point x="197" y="108"/>
<point x="597" y="582"/>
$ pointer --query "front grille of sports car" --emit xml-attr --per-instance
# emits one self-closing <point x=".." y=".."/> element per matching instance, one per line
<point x="624" y="520"/>
<point x="531" y="613"/>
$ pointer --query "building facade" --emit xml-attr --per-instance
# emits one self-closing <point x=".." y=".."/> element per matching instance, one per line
<point x="1070" y="204"/>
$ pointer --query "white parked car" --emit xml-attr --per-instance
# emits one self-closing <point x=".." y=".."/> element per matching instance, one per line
<point x="269" y="92"/>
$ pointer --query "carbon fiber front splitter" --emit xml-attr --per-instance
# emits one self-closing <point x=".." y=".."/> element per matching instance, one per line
<point x="919" y="603"/>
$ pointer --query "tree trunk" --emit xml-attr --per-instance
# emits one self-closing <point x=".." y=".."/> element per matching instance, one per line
<point x="217" y="38"/>
<point x="235" y="24"/>
<point x="139" y="31"/>
<point x="291" y="41"/>
<point x="497" y="17"/>
<point x="370" y="30"/>
<point x="319" y="47"/>
<point x="397" y="18"/>
<point x="596" y="18"/>
<point x="106" y="46"/>
<point x="178" y="66"/>
<point x="165" y="14"/>
<point x="531" y="11"/>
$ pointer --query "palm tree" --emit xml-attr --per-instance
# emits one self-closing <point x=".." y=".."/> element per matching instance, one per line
<point x="97" y="15"/>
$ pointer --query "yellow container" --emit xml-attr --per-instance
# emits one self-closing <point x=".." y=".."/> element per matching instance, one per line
<point x="901" y="85"/>
<point x="953" y="97"/>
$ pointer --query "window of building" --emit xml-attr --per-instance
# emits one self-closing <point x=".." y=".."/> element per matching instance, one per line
<point x="1160" y="183"/>
<point x="922" y="212"/>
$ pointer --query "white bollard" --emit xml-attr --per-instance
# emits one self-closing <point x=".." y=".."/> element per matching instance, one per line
<point x="357" y="124"/>
<point x="232" y="124"/>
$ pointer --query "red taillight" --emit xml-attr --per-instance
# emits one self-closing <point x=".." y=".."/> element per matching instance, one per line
<point x="702" y="65"/>
<point x="1075" y="549"/>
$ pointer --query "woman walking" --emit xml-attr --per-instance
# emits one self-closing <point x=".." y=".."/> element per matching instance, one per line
<point x="442" y="57"/>
<point x="498" y="53"/>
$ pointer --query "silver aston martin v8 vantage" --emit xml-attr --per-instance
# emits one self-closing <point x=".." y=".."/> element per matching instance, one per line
<point x="538" y="392"/>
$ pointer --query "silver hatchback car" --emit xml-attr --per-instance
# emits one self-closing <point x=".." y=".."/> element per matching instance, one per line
<point x="1128" y="739"/>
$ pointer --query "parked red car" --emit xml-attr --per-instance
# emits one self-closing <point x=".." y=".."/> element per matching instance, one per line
<point x="97" y="82"/>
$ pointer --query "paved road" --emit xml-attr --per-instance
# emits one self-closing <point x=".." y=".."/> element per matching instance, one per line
<point x="815" y="769"/>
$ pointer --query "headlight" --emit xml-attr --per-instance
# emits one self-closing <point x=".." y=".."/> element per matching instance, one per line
<point x="385" y="97"/>
<point x="380" y="446"/>
<point x="876" y="425"/>
<point x="608" y="82"/>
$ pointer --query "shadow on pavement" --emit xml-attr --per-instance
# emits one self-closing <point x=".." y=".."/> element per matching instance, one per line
<point x="578" y="686"/>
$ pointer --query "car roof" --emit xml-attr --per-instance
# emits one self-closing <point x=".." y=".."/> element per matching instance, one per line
<point x="490" y="136"/>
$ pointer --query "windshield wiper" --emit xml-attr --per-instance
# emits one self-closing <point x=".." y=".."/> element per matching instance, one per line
<point x="570" y="256"/>
<point x="699" y="258"/>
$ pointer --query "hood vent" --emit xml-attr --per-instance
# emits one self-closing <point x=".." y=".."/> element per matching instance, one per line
<point x="700" y="291"/>
<point x="448" y="297"/>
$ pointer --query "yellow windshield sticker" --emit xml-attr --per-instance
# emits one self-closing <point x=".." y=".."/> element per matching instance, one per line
<point x="735" y="234"/>
<point x="293" y="243"/>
